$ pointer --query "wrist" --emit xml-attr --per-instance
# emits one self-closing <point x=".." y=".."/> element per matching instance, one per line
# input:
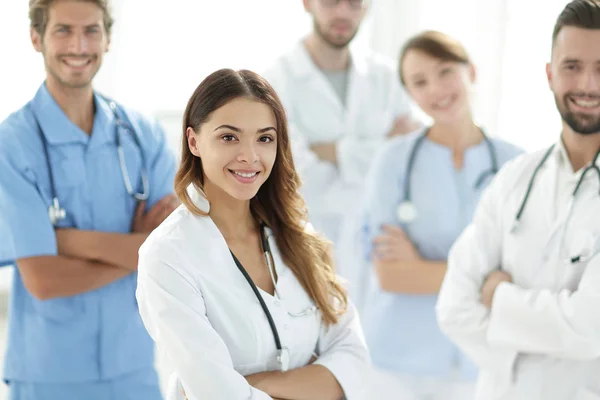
<point x="264" y="381"/>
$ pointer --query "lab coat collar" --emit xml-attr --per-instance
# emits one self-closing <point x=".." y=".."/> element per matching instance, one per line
<point x="562" y="158"/>
<point x="302" y="64"/>
<point x="203" y="204"/>
<point x="58" y="129"/>
<point x="198" y="199"/>
<point x="104" y="130"/>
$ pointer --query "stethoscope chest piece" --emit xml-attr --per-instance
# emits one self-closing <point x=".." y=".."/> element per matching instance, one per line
<point x="55" y="212"/>
<point x="283" y="358"/>
<point x="406" y="212"/>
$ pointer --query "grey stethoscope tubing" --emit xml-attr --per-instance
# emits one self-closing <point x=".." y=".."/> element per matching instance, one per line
<point x="283" y="354"/>
<point x="590" y="167"/>
<point x="55" y="212"/>
<point x="407" y="211"/>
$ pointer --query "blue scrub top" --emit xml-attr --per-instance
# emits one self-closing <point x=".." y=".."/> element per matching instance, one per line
<point x="401" y="329"/>
<point x="97" y="335"/>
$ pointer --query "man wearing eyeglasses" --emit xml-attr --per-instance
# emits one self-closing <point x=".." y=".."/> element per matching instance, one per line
<point x="341" y="105"/>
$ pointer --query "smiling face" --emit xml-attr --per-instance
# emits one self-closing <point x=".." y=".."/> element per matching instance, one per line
<point x="574" y="78"/>
<point x="237" y="146"/>
<point x="73" y="43"/>
<point x="440" y="88"/>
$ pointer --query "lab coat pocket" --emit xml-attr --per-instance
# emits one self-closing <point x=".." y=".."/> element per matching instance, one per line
<point x="584" y="246"/>
<point x="303" y="326"/>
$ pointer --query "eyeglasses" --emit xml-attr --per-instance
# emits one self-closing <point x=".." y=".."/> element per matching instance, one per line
<point x="334" y="3"/>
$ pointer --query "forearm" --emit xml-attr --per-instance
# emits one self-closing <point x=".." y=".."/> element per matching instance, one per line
<point x="105" y="247"/>
<point x="50" y="277"/>
<point x="563" y="324"/>
<point x="411" y="277"/>
<point x="306" y="383"/>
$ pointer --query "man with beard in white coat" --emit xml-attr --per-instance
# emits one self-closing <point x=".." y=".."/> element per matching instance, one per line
<point x="521" y="295"/>
<point x="341" y="105"/>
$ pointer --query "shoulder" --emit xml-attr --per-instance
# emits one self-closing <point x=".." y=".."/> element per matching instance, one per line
<point x="283" y="68"/>
<point x="379" y="63"/>
<point x="377" y="68"/>
<point x="177" y="242"/>
<point x="517" y="171"/>
<point x="17" y="134"/>
<point x="505" y="150"/>
<point x="397" y="149"/>
<point x="146" y="126"/>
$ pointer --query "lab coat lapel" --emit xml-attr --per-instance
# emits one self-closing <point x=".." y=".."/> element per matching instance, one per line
<point x="303" y="65"/>
<point x="549" y="186"/>
<point x="357" y="84"/>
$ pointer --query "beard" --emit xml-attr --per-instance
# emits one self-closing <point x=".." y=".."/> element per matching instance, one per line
<point x="581" y="123"/>
<point x="336" y="42"/>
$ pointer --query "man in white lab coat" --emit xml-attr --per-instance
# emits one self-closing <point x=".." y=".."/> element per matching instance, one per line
<point x="521" y="295"/>
<point x="341" y="107"/>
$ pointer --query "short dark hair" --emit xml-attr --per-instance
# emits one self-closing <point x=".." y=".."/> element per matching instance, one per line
<point x="580" y="14"/>
<point x="39" y="9"/>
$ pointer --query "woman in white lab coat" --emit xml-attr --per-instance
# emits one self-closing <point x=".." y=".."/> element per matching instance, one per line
<point x="421" y="193"/>
<point x="234" y="287"/>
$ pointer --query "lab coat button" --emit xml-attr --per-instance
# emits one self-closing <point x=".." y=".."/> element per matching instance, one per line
<point x="277" y="303"/>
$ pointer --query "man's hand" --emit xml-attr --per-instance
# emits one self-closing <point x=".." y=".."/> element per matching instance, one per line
<point x="394" y="245"/>
<point x="147" y="222"/>
<point x="491" y="283"/>
<point x="403" y="125"/>
<point x="325" y="151"/>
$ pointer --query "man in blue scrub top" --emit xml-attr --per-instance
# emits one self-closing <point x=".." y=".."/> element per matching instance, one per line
<point x="74" y="328"/>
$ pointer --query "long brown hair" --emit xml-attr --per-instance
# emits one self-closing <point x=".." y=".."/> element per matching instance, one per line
<point x="277" y="203"/>
<point x="435" y="44"/>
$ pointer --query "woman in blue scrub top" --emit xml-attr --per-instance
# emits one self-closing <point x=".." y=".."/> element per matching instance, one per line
<point x="74" y="329"/>
<point x="408" y="242"/>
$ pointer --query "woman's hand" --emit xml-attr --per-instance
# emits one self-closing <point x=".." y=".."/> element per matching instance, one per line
<point x="394" y="245"/>
<point x="491" y="283"/>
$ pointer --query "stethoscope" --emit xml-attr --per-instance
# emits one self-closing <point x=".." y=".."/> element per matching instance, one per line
<point x="579" y="258"/>
<point x="283" y="353"/>
<point x="407" y="211"/>
<point x="56" y="213"/>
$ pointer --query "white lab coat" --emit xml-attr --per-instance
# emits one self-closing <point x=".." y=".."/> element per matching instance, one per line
<point x="205" y="318"/>
<point x="541" y="339"/>
<point x="316" y="114"/>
